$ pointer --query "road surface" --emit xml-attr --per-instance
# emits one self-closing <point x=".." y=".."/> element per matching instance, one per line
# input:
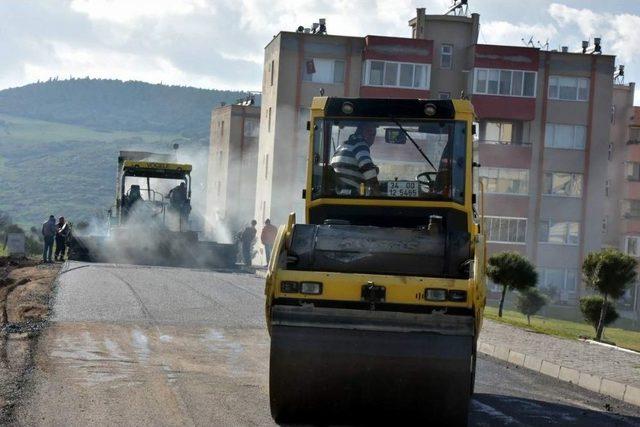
<point x="147" y="346"/>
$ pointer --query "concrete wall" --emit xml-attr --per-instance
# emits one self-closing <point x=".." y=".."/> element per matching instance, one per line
<point x="283" y="149"/>
<point x="232" y="168"/>
<point x="460" y="32"/>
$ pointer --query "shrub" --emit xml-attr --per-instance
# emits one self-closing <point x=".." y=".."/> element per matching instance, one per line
<point x="591" y="307"/>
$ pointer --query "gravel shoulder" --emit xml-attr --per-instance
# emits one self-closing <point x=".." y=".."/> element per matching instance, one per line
<point x="26" y="287"/>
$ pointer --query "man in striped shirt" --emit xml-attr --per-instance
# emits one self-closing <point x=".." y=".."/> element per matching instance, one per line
<point x="352" y="160"/>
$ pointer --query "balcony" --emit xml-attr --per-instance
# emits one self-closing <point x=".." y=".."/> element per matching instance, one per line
<point x="504" y="143"/>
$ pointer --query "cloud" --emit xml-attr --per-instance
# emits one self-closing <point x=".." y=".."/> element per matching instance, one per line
<point x="619" y="32"/>
<point x="507" y="33"/>
<point x="220" y="43"/>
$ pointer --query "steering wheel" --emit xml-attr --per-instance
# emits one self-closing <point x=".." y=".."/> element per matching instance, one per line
<point x="426" y="178"/>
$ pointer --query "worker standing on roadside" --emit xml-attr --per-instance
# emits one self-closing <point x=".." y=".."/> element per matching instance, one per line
<point x="247" y="238"/>
<point x="268" y="237"/>
<point x="62" y="231"/>
<point x="49" y="233"/>
<point x="178" y="197"/>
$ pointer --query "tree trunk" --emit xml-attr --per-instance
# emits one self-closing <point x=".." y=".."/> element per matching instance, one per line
<point x="528" y="319"/>
<point x="603" y="314"/>
<point x="504" y="292"/>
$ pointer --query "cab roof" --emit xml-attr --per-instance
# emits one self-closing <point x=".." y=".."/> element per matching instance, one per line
<point x="156" y="169"/>
<point x="396" y="108"/>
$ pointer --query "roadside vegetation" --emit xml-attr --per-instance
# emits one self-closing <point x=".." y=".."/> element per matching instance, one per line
<point x="512" y="271"/>
<point x="608" y="272"/>
<point x="565" y="328"/>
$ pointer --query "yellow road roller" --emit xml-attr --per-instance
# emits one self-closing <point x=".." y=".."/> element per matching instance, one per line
<point x="375" y="302"/>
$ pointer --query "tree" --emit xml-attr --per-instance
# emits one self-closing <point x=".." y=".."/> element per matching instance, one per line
<point x="591" y="308"/>
<point x="529" y="302"/>
<point x="511" y="271"/>
<point x="609" y="272"/>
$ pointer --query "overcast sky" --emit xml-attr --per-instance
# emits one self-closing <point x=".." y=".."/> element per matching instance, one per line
<point x="219" y="43"/>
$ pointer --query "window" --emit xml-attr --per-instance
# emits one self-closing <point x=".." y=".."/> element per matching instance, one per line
<point x="505" y="229"/>
<point x="406" y="75"/>
<point x="607" y="187"/>
<point x="251" y="127"/>
<point x="396" y="74"/>
<point x="444" y="95"/>
<point x="633" y="171"/>
<point x="498" y="133"/>
<point x="634" y="135"/>
<point x="320" y="70"/>
<point x="266" y="166"/>
<point x="507" y="181"/>
<point x="563" y="184"/>
<point x="269" y="120"/>
<point x="271" y="71"/>
<point x="338" y="71"/>
<point x="568" y="88"/>
<point x="565" y="136"/>
<point x="632" y="245"/>
<point x="504" y="82"/>
<point x="446" y="56"/>
<point x="562" y="233"/>
<point x="376" y="72"/>
<point x="560" y="284"/>
<point x="631" y="208"/>
<point x="221" y="129"/>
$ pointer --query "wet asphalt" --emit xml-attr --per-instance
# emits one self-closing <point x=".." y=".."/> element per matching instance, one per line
<point x="135" y="345"/>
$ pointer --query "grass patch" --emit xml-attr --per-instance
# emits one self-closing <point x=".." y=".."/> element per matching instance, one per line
<point x="565" y="328"/>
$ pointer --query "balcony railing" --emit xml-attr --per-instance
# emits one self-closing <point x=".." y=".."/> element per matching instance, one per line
<point x="510" y="143"/>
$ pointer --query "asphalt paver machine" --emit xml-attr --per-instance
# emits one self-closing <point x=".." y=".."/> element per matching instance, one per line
<point x="149" y="223"/>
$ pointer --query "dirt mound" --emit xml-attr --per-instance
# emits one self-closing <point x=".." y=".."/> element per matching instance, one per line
<point x="25" y="291"/>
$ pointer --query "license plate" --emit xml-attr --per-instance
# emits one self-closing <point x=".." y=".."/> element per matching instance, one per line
<point x="402" y="189"/>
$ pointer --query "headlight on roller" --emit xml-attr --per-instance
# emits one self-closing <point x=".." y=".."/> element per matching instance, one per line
<point x="312" y="288"/>
<point x="457" y="296"/>
<point x="435" y="294"/>
<point x="290" y="287"/>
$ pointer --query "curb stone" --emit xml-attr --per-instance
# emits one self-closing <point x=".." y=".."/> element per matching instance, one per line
<point x="632" y="395"/>
<point x="625" y="392"/>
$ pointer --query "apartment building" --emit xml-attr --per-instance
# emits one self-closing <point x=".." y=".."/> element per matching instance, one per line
<point x="232" y="167"/>
<point x="544" y="121"/>
<point x="621" y="223"/>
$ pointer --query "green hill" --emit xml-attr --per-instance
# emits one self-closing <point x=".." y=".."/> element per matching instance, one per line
<point x="53" y="168"/>
<point x="111" y="105"/>
<point x="59" y="140"/>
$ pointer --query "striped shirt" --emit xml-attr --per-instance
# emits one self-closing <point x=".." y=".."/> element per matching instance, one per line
<point x="352" y="162"/>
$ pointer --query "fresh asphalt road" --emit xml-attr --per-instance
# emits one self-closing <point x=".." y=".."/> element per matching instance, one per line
<point x="135" y="345"/>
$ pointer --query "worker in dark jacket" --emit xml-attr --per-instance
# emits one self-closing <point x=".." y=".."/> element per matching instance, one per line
<point x="247" y="238"/>
<point x="49" y="233"/>
<point x="62" y="232"/>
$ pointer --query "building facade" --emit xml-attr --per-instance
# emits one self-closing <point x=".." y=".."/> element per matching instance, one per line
<point x="544" y="130"/>
<point x="233" y="162"/>
<point x="621" y="223"/>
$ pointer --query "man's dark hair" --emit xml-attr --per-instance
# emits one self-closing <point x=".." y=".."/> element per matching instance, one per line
<point x="267" y="221"/>
<point x="254" y="222"/>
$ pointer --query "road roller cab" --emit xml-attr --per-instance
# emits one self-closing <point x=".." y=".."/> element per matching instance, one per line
<point x="374" y="304"/>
